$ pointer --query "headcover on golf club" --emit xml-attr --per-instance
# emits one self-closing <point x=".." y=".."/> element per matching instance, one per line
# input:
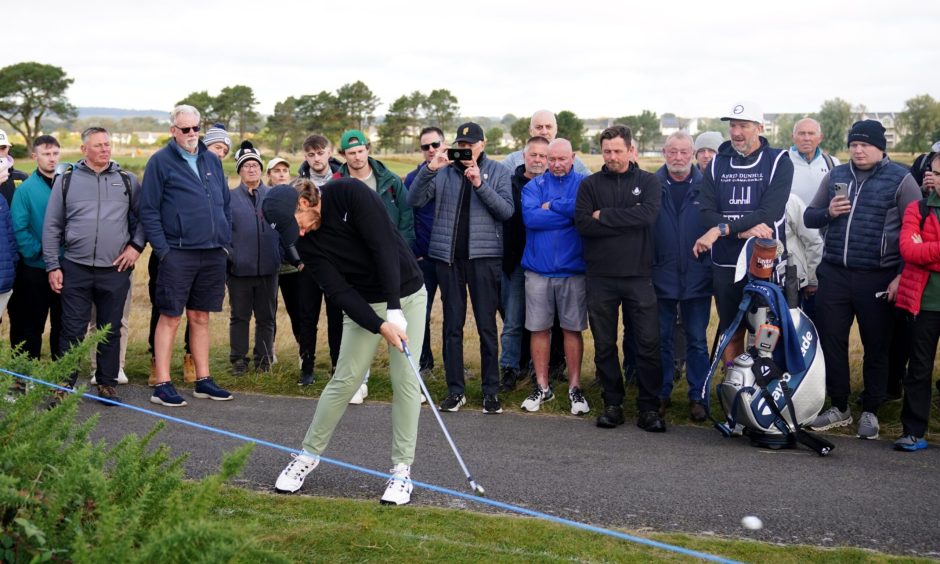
<point x="278" y="208"/>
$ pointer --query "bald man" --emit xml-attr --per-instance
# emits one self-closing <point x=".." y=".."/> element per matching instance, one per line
<point x="542" y="124"/>
<point x="810" y="166"/>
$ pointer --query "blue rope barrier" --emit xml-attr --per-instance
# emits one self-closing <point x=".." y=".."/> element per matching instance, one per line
<point x="430" y="487"/>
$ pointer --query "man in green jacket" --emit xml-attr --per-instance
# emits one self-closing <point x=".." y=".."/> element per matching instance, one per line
<point x="33" y="300"/>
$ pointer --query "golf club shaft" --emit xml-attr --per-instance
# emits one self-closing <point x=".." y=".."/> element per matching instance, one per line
<point x="437" y="415"/>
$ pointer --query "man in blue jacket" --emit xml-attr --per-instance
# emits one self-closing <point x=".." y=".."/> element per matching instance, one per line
<point x="554" y="273"/>
<point x="681" y="280"/>
<point x="187" y="217"/>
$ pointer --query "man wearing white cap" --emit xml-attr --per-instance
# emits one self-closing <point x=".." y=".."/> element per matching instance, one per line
<point x="744" y="194"/>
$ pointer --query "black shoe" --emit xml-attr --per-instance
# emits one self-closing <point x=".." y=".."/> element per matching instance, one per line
<point x="508" y="381"/>
<point x="697" y="412"/>
<point x="263" y="367"/>
<point x="453" y="402"/>
<point x="651" y="421"/>
<point x="306" y="378"/>
<point x="612" y="417"/>
<point x="491" y="404"/>
<point x="239" y="367"/>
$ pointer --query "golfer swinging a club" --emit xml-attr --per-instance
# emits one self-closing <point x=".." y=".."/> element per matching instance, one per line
<point x="360" y="260"/>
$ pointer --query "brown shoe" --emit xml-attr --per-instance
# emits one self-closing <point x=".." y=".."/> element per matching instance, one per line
<point x="152" y="379"/>
<point x="189" y="369"/>
<point x="108" y="393"/>
<point x="697" y="412"/>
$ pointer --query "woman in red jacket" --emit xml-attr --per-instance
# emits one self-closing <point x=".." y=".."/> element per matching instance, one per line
<point x="919" y="294"/>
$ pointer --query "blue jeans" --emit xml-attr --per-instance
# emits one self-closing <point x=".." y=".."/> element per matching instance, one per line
<point x="429" y="270"/>
<point x="695" y="315"/>
<point x="513" y="302"/>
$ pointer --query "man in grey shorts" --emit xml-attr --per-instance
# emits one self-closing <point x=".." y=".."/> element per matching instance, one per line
<point x="554" y="277"/>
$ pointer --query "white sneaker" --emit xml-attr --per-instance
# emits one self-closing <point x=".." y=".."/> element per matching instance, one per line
<point x="579" y="404"/>
<point x="361" y="394"/>
<point x="536" y="398"/>
<point x="292" y="477"/>
<point x="398" y="490"/>
<point x="122" y="378"/>
<point x="423" y="399"/>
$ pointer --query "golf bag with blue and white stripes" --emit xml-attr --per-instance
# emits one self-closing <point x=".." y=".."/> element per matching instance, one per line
<point x="779" y="384"/>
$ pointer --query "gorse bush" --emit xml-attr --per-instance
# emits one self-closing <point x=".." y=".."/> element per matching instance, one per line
<point x="64" y="498"/>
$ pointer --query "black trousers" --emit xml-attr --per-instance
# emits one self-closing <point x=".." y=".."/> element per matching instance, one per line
<point x="247" y="296"/>
<point x="482" y="277"/>
<point x="106" y="289"/>
<point x="304" y="299"/>
<point x="153" y="269"/>
<point x="32" y="301"/>
<point x="606" y="296"/>
<point x="845" y="295"/>
<point x="917" y="382"/>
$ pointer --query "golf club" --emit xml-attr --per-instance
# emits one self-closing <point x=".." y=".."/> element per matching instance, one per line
<point x="477" y="488"/>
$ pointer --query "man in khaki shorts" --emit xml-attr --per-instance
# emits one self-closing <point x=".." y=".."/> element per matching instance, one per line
<point x="554" y="273"/>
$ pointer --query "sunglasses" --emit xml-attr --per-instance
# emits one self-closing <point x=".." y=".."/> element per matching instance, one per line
<point x="428" y="147"/>
<point x="185" y="130"/>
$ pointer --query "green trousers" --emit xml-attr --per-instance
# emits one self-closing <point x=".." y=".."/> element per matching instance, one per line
<point x="355" y="357"/>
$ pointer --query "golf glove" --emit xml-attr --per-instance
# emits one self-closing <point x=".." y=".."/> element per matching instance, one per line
<point x="397" y="317"/>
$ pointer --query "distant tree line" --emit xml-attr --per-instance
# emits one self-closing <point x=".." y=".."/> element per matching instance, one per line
<point x="33" y="99"/>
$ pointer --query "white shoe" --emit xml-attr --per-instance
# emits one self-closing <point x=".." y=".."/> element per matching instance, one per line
<point x="536" y="399"/>
<point x="292" y="477"/>
<point x="361" y="394"/>
<point x="398" y="490"/>
<point x="579" y="404"/>
<point x="121" y="379"/>
<point x="424" y="399"/>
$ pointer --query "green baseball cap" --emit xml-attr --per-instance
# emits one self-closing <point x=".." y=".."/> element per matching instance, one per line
<point x="353" y="138"/>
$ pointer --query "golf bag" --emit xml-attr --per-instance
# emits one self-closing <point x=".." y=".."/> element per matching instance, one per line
<point x="779" y="385"/>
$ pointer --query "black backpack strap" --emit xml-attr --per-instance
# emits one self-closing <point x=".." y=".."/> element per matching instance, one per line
<point x="126" y="178"/>
<point x="66" y="180"/>
<point x="924" y="212"/>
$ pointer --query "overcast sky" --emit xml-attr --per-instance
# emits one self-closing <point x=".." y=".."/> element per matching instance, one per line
<point x="597" y="59"/>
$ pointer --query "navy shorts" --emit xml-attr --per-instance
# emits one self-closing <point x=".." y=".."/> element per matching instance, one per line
<point x="191" y="279"/>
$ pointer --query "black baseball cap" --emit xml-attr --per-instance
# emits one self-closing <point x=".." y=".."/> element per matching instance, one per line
<point x="469" y="132"/>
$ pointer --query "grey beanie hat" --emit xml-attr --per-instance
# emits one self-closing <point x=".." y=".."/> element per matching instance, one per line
<point x="217" y="134"/>
<point x="708" y="140"/>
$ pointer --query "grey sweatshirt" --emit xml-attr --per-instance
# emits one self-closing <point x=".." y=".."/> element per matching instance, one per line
<point x="97" y="220"/>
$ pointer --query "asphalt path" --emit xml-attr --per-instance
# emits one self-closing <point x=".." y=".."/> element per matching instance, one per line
<point x="689" y="479"/>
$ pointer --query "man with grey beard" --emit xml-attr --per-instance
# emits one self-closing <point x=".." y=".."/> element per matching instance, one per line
<point x="187" y="217"/>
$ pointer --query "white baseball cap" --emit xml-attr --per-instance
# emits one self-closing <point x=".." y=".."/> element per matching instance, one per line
<point x="276" y="161"/>
<point x="745" y="111"/>
<point x="4" y="139"/>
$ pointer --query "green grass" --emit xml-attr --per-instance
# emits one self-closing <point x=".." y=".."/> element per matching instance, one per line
<point x="307" y="529"/>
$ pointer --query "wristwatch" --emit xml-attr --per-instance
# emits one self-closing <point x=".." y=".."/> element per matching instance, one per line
<point x="723" y="229"/>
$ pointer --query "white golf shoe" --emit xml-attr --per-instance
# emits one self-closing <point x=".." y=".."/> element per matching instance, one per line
<point x="398" y="490"/>
<point x="121" y="379"/>
<point x="292" y="477"/>
<point x="361" y="394"/>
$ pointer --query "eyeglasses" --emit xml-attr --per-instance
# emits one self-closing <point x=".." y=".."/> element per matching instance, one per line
<point x="185" y="130"/>
<point x="428" y="147"/>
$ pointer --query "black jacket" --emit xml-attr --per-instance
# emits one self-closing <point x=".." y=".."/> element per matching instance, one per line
<point x="357" y="256"/>
<point x="8" y="187"/>
<point x="514" y="228"/>
<point x="620" y="243"/>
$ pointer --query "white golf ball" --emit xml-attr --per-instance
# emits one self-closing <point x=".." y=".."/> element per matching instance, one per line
<point x="752" y="522"/>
